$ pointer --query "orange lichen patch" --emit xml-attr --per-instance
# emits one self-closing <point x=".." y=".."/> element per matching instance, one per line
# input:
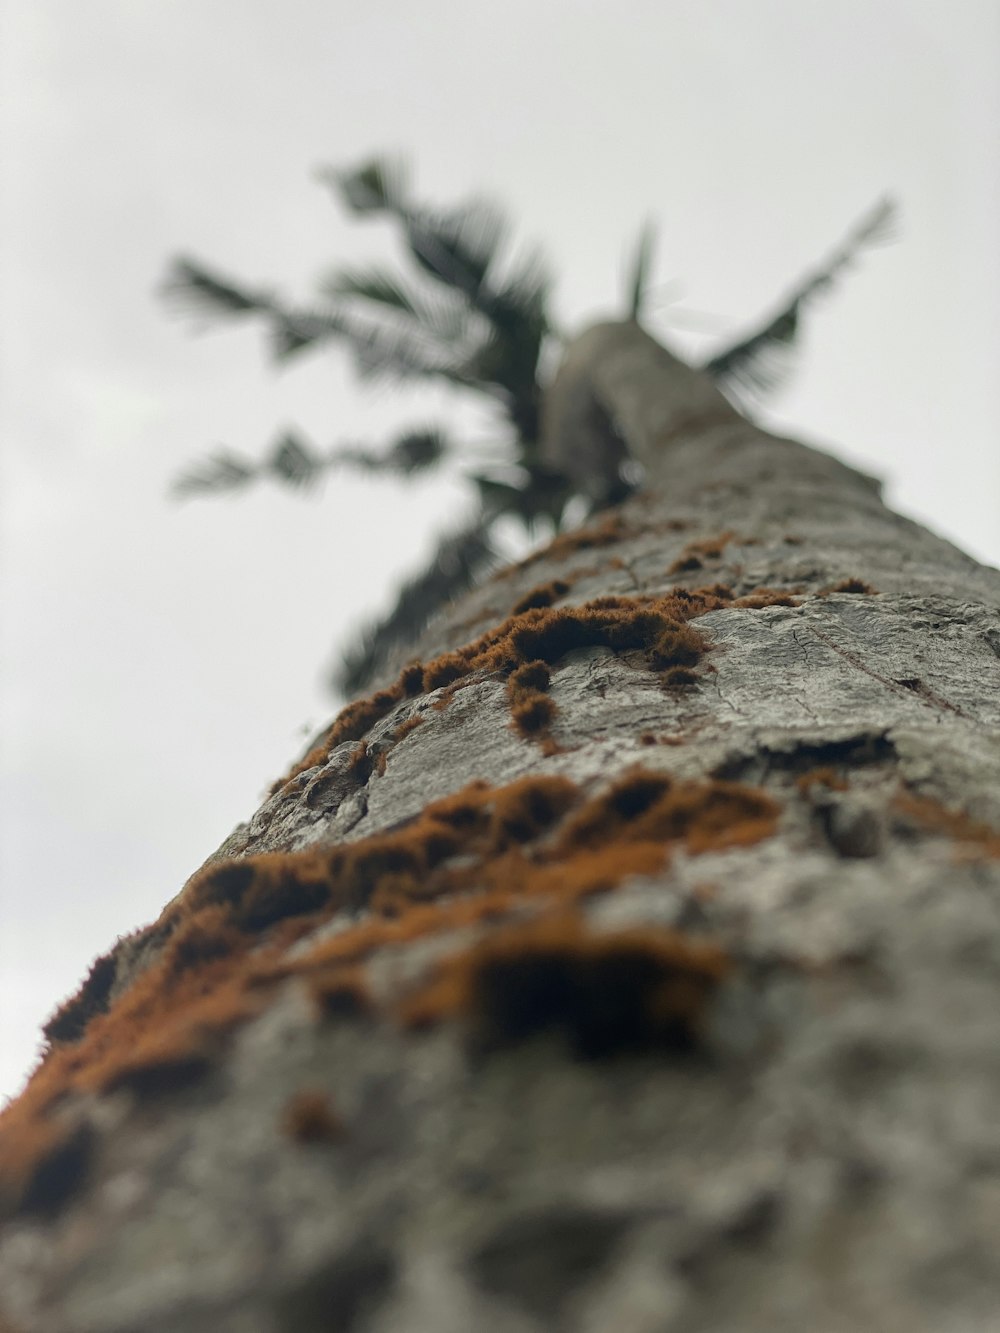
<point x="309" y="1117"/>
<point x="157" y="1035"/>
<point x="607" y="531"/>
<point x="544" y="595"/>
<point x="605" y="993"/>
<point x="646" y="807"/>
<point x="341" y="993"/>
<point x="972" y="838"/>
<point x="259" y="890"/>
<point x="655" y="626"/>
<point x="821" y="777"/>
<point x="209" y="934"/>
<point x="474" y="859"/>
<point x="55" y="1161"/>
<point x="533" y="715"/>
<point x="70" y="1019"/>
<point x="848" y="585"/>
<point x="695" y="554"/>
<point x="405" y="728"/>
<point x="531" y="709"/>
<point x="761" y="597"/>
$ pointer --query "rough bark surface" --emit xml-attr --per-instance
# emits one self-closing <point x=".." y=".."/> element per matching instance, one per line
<point x="795" y="1127"/>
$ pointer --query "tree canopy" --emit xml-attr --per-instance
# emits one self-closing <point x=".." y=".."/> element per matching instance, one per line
<point x="466" y="310"/>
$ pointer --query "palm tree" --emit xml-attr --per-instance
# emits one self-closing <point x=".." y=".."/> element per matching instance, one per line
<point x="468" y="315"/>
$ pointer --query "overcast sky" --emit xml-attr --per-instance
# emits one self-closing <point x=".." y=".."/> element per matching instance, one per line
<point x="161" y="663"/>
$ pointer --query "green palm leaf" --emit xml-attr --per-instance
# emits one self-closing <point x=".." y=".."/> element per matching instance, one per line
<point x="757" y="363"/>
<point x="191" y="285"/>
<point x="458" y="561"/>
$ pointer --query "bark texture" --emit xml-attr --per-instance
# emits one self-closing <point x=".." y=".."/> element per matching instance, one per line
<point x="686" y="1019"/>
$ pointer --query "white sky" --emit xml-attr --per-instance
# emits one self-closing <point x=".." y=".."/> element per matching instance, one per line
<point x="160" y="662"/>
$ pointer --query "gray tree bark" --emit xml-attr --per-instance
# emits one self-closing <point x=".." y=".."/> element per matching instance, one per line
<point x="709" y="1040"/>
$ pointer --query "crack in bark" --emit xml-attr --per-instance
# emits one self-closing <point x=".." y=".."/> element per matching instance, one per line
<point x="909" y="687"/>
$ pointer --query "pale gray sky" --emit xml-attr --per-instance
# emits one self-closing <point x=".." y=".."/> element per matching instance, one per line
<point x="161" y="662"/>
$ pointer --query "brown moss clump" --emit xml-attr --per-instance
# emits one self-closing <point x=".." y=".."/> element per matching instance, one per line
<point x="57" y="1157"/>
<point x="544" y="595"/>
<point x="477" y="858"/>
<point x="404" y="728"/>
<point x="762" y="597"/>
<point x="70" y="1019"/>
<point x="653" y="808"/>
<point x="309" y="1117"/>
<point x="341" y="993"/>
<point x="607" y="531"/>
<point x="531" y="709"/>
<point x="821" y="777"/>
<point x="654" y="626"/>
<point x="848" y="585"/>
<point x="604" y="993"/>
<point x="696" y="554"/>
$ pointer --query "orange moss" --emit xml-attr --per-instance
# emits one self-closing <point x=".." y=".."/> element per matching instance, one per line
<point x="821" y="777"/>
<point x="696" y="553"/>
<point x="544" y="595"/>
<point x="533" y="715"/>
<point x="609" y="530"/>
<point x="652" y="808"/>
<point x="528" y="679"/>
<point x="604" y="992"/>
<point x="973" y="838"/>
<point x="475" y="857"/>
<point x="848" y="585"/>
<point x="341" y="993"/>
<point x="309" y="1117"/>
<point x="531" y="709"/>
<point x="655" y="626"/>
<point x="761" y="597"/>
<point x="405" y="728"/>
<point x="56" y="1156"/>
<point x="70" y="1019"/>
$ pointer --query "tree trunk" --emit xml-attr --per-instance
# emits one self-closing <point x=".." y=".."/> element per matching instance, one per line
<point x="630" y="964"/>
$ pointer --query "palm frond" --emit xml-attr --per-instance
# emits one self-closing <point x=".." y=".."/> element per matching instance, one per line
<point x="221" y="471"/>
<point x="460" y="246"/>
<point x="401" y="350"/>
<point x="459" y="560"/>
<point x="375" y="285"/>
<point x="418" y="451"/>
<point x="539" y="493"/>
<point x="295" y="462"/>
<point x="639" y="270"/>
<point x="198" y="288"/>
<point x="191" y="285"/>
<point x="376" y="186"/>
<point x="293" y="331"/>
<point x="758" y="362"/>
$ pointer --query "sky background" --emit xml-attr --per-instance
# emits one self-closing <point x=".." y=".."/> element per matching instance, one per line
<point x="162" y="663"/>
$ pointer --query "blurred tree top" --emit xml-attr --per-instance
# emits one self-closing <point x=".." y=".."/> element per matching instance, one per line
<point x="463" y="312"/>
